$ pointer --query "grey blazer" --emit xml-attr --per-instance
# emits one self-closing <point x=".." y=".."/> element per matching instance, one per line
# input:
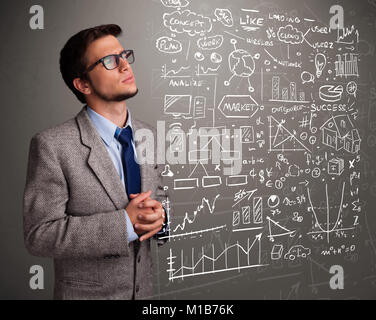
<point x="74" y="212"/>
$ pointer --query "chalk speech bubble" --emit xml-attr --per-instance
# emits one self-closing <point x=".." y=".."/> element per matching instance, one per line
<point x="210" y="43"/>
<point x="307" y="77"/>
<point x="187" y="21"/>
<point x="168" y="45"/>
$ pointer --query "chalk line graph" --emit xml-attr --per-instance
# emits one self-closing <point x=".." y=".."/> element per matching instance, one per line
<point x="206" y="263"/>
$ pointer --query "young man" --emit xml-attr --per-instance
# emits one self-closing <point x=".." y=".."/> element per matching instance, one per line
<point x="88" y="203"/>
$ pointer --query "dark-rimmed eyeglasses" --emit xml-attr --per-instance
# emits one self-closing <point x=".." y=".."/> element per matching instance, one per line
<point x="111" y="61"/>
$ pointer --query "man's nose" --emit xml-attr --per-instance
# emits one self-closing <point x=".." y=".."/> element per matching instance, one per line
<point x="123" y="64"/>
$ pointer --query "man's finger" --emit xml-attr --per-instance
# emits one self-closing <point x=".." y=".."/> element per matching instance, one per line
<point x="149" y="234"/>
<point x="149" y="218"/>
<point x="141" y="197"/>
<point x="146" y="211"/>
<point x="152" y="204"/>
<point x="141" y="205"/>
<point x="149" y="226"/>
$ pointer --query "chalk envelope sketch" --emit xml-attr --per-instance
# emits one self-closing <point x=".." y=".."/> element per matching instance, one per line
<point x="237" y="180"/>
<point x="177" y="104"/>
<point x="182" y="184"/>
<point x="211" y="181"/>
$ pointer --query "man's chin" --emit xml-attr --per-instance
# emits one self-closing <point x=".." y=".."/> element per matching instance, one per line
<point x="125" y="96"/>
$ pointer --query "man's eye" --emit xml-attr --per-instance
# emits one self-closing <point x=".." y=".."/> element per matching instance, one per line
<point x="108" y="59"/>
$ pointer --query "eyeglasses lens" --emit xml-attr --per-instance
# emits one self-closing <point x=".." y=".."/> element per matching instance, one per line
<point x="129" y="56"/>
<point x="110" y="62"/>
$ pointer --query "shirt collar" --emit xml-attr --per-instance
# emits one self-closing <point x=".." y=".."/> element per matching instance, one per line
<point x="105" y="127"/>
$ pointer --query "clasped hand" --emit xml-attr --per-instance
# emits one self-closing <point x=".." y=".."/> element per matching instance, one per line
<point x="147" y="215"/>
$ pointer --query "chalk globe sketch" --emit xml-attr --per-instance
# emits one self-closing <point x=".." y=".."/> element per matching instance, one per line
<point x="241" y="64"/>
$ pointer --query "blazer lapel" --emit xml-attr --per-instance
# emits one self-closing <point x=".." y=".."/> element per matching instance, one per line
<point x="100" y="161"/>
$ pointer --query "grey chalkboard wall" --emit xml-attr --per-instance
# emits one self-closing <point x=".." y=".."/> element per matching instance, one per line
<point x="267" y="114"/>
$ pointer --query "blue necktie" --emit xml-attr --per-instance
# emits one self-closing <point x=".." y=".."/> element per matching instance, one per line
<point x="131" y="167"/>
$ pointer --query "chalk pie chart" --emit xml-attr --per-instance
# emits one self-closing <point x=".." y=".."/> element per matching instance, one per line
<point x="330" y="93"/>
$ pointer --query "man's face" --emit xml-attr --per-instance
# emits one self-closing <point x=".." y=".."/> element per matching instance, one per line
<point x="109" y="85"/>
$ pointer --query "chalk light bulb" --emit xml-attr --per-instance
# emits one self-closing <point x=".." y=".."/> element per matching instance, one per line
<point x="320" y="62"/>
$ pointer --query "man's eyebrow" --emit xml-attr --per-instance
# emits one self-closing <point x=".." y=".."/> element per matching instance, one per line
<point x="120" y="51"/>
<point x="114" y="52"/>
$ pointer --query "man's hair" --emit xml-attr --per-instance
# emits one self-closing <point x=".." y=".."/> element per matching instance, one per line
<point x="72" y="56"/>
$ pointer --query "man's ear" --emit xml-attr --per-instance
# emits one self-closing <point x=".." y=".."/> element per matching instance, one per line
<point x="82" y="85"/>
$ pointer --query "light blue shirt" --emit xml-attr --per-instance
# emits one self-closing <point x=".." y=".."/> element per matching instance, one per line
<point x="106" y="130"/>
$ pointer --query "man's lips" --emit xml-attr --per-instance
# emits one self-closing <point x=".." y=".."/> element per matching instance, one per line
<point x="129" y="79"/>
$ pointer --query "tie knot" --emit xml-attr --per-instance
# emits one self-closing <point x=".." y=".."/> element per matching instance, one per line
<point x="124" y="135"/>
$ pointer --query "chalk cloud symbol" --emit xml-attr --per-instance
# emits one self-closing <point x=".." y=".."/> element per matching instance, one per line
<point x="290" y="34"/>
<point x="187" y="21"/>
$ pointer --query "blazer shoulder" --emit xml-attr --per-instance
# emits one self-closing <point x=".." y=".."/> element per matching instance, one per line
<point x="59" y="132"/>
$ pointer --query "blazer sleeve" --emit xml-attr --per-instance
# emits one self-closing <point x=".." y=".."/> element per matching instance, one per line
<point x="50" y="231"/>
